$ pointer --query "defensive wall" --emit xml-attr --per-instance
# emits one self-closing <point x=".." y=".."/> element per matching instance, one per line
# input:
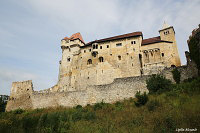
<point x="23" y="96"/>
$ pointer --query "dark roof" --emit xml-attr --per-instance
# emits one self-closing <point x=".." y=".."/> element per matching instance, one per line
<point x="133" y="34"/>
<point x="153" y="40"/>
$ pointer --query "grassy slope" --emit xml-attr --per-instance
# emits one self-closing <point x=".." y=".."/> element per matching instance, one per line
<point x="178" y="108"/>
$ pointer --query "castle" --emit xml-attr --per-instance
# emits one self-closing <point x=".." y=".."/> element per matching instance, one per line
<point x="101" y="61"/>
<point x="109" y="69"/>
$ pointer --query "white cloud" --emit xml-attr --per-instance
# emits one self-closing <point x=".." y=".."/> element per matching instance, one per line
<point x="37" y="26"/>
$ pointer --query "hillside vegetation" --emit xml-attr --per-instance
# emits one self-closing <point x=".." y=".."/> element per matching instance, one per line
<point x="161" y="111"/>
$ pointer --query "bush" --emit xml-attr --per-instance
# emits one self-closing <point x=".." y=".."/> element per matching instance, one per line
<point x="176" y="75"/>
<point x="78" y="107"/>
<point x="90" y="116"/>
<point x="98" y="106"/>
<point x="158" y="83"/>
<point x="152" y="105"/>
<point x="2" y="105"/>
<point x="141" y="99"/>
<point x="18" y="111"/>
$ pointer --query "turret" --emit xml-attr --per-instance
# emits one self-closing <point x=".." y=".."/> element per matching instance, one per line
<point x="167" y="33"/>
<point x="70" y="48"/>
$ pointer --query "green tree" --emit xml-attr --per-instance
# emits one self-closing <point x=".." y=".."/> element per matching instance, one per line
<point x="158" y="83"/>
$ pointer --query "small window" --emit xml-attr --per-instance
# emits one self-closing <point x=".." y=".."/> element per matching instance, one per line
<point x="90" y="50"/>
<point x="100" y="59"/>
<point x="107" y="46"/>
<point x="96" y="46"/>
<point x="89" y="61"/>
<point x="163" y="54"/>
<point x="100" y="47"/>
<point x="119" y="44"/>
<point x="68" y="59"/>
<point x="133" y="42"/>
<point x="119" y="57"/>
<point x="84" y="51"/>
<point x="93" y="46"/>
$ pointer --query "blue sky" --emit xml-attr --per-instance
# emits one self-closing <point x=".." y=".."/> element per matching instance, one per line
<point x="31" y="30"/>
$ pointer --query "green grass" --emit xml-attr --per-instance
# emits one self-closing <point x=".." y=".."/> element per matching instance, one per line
<point x="177" y="108"/>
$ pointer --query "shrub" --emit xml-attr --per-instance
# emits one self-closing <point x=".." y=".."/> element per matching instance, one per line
<point x="141" y="99"/>
<point x="18" y="111"/>
<point x="78" y="107"/>
<point x="99" y="105"/>
<point x="119" y="105"/>
<point x="77" y="116"/>
<point x="2" y="105"/>
<point x="90" y="116"/>
<point x="152" y="105"/>
<point x="158" y="83"/>
<point x="176" y="75"/>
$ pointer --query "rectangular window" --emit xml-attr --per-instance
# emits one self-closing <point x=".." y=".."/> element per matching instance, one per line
<point x="107" y="46"/>
<point x="90" y="50"/>
<point x="119" y="44"/>
<point x="133" y="42"/>
<point x="100" y="47"/>
<point x="84" y="51"/>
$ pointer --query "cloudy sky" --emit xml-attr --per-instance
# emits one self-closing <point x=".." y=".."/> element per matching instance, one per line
<point x="31" y="30"/>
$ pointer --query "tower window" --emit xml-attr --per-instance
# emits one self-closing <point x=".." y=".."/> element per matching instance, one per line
<point x="68" y="59"/>
<point x="119" y="44"/>
<point x="107" y="46"/>
<point x="119" y="57"/>
<point x="100" y="59"/>
<point x="89" y="61"/>
<point x="100" y="47"/>
<point x="163" y="54"/>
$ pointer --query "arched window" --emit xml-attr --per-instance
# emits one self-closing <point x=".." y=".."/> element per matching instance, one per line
<point x="119" y="57"/>
<point x="68" y="59"/>
<point x="89" y="61"/>
<point x="96" y="46"/>
<point x="100" y="59"/>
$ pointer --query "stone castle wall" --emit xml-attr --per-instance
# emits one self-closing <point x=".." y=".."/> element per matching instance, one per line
<point x="119" y="89"/>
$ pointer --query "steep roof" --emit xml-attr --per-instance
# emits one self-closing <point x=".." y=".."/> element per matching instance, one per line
<point x="76" y="36"/>
<point x="133" y="34"/>
<point x="153" y="40"/>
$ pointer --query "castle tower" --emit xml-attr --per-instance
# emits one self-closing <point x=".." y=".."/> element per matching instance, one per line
<point x="70" y="49"/>
<point x="167" y="33"/>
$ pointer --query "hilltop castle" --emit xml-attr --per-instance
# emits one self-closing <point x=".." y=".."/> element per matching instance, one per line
<point x="101" y="61"/>
<point x="109" y="69"/>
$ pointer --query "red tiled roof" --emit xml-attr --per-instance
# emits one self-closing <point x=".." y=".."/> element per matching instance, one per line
<point x="153" y="40"/>
<point x="133" y="34"/>
<point x="76" y="36"/>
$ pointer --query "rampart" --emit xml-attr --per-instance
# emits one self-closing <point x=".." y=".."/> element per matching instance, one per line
<point x="23" y="96"/>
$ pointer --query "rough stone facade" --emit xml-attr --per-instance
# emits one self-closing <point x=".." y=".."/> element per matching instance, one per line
<point x="110" y="69"/>
<point x="101" y="61"/>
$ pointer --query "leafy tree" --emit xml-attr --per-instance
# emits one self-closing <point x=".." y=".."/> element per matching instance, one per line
<point x="141" y="99"/>
<point x="176" y="75"/>
<point x="158" y="83"/>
